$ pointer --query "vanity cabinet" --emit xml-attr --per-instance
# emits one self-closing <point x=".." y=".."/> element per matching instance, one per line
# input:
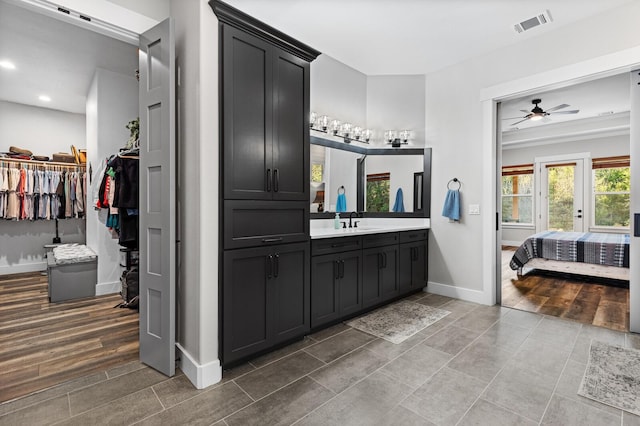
<point x="380" y="268"/>
<point x="337" y="279"/>
<point x="265" y="92"/>
<point x="266" y="298"/>
<point x="413" y="260"/>
<point x="264" y="185"/>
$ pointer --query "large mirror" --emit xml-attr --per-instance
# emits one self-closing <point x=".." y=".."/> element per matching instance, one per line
<point x="378" y="182"/>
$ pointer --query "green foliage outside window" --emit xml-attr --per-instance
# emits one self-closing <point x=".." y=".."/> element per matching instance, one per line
<point x="378" y="196"/>
<point x="612" y="196"/>
<point x="316" y="172"/>
<point x="517" y="199"/>
<point x="561" y="195"/>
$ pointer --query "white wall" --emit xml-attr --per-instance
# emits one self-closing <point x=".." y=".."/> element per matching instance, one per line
<point x="42" y="131"/>
<point x="455" y="123"/>
<point x="198" y="146"/>
<point x="112" y="102"/>
<point x="338" y="91"/>
<point x="396" y="102"/>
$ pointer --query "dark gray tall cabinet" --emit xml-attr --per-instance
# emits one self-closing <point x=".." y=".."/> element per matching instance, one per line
<point x="264" y="182"/>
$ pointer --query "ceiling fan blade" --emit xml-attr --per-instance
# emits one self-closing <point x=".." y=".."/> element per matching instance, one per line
<point x="526" y="111"/>
<point x="513" y="118"/>
<point x="573" y="111"/>
<point x="518" y="122"/>
<point x="557" y="107"/>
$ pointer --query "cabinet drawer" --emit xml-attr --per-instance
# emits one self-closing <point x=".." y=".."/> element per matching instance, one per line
<point x="335" y="245"/>
<point x="410" y="236"/>
<point x="378" y="240"/>
<point x="260" y="223"/>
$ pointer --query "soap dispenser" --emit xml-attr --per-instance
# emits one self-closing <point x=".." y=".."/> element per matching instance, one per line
<point x="336" y="221"/>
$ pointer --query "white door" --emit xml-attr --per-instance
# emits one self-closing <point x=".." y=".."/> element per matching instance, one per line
<point x="562" y="195"/>
<point x="157" y="197"/>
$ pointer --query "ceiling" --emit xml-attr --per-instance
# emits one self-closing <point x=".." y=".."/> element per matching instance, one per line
<point x="373" y="36"/>
<point x="598" y="98"/>
<point x="55" y="58"/>
<point x="413" y="36"/>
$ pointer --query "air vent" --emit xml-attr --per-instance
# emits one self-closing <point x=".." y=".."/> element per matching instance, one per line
<point x="540" y="19"/>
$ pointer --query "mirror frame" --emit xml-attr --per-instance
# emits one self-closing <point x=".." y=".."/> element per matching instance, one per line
<point x="361" y="176"/>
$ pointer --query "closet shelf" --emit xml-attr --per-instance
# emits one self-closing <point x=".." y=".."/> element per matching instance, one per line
<point x="41" y="163"/>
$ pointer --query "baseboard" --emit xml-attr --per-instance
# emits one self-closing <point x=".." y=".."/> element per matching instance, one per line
<point x="511" y="243"/>
<point x="23" y="267"/>
<point x="461" y="293"/>
<point x="108" y="288"/>
<point x="201" y="376"/>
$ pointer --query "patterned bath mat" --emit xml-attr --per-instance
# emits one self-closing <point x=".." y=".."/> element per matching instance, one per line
<point x="399" y="321"/>
<point x="613" y="377"/>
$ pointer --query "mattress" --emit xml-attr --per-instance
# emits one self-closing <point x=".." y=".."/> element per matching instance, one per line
<point x="586" y="247"/>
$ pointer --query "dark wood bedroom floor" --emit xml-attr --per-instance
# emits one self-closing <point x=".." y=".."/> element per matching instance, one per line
<point x="588" y="302"/>
<point x="43" y="344"/>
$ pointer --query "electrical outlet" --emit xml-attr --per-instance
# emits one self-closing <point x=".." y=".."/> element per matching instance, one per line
<point x="474" y="208"/>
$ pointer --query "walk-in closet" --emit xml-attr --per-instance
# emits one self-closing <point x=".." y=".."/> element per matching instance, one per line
<point x="68" y="199"/>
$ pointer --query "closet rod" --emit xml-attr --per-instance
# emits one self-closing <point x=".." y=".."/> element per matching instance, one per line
<point x="43" y="163"/>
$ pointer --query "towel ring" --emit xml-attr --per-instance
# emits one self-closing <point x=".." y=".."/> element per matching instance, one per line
<point x="454" y="180"/>
<point x="341" y="189"/>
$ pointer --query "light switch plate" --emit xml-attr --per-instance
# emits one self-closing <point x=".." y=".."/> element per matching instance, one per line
<point x="474" y="208"/>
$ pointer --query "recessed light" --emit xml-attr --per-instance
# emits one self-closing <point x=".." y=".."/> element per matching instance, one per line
<point x="8" y="65"/>
<point x="44" y="98"/>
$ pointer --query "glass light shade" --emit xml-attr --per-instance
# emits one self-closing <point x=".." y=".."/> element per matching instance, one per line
<point x="357" y="132"/>
<point x="536" y="117"/>
<point x="404" y="135"/>
<point x="367" y="134"/>
<point x="346" y="129"/>
<point x="390" y="135"/>
<point x="312" y="119"/>
<point x="335" y="126"/>
<point x="324" y="122"/>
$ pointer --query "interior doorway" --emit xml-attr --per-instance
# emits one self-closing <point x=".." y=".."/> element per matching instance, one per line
<point x="561" y="156"/>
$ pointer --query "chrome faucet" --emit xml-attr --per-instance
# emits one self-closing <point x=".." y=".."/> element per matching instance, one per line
<point x="356" y="222"/>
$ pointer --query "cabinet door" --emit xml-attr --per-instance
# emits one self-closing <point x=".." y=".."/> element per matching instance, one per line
<point x="350" y="282"/>
<point x="290" y="127"/>
<point x="244" y="311"/>
<point x="419" y="266"/>
<point x="324" y="295"/>
<point x="247" y="92"/>
<point x="389" y="272"/>
<point x="405" y="274"/>
<point x="290" y="287"/>
<point x="372" y="263"/>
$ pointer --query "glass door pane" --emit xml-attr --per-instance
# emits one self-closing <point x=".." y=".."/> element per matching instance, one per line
<point x="560" y="194"/>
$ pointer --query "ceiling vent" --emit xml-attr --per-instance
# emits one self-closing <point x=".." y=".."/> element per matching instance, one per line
<point x="540" y="19"/>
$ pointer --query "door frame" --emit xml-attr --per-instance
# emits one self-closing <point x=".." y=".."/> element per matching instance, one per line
<point x="540" y="162"/>
<point x="623" y="61"/>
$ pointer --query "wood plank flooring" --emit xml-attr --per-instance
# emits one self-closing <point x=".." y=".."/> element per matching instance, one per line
<point x="575" y="298"/>
<point x="43" y="344"/>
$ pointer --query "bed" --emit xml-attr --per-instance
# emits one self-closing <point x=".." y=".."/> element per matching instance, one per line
<point x="583" y="253"/>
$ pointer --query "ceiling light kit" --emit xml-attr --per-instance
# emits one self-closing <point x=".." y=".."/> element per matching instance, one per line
<point x="44" y="98"/>
<point x="350" y="133"/>
<point x="538" y="113"/>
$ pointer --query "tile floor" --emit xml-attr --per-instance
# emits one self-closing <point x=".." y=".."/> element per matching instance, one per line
<point x="478" y="366"/>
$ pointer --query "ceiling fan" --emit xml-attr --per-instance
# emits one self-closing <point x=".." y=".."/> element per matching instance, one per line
<point x="538" y="113"/>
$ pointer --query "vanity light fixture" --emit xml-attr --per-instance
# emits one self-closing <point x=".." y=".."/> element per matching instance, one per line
<point x="396" y="139"/>
<point x="347" y="131"/>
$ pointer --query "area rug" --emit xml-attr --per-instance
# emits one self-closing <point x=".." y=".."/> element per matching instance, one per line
<point x="613" y="377"/>
<point x="399" y="321"/>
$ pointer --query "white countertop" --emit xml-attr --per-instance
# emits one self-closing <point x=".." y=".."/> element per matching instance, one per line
<point x="324" y="228"/>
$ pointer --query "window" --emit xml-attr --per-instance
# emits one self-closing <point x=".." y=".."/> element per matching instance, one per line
<point x="317" y="172"/>
<point x="378" y="192"/>
<point x="517" y="194"/>
<point x="611" y="191"/>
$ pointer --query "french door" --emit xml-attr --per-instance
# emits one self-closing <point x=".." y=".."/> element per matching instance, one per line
<point x="561" y="195"/>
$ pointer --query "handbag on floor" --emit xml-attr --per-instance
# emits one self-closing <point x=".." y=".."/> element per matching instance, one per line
<point x="130" y="289"/>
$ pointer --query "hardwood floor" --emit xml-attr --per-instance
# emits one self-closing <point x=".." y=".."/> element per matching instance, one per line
<point x="580" y="299"/>
<point x="43" y="344"/>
